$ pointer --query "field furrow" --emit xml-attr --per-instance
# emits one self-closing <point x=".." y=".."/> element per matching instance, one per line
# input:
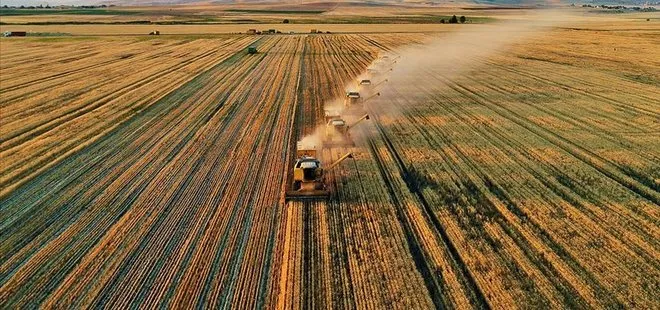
<point x="151" y="172"/>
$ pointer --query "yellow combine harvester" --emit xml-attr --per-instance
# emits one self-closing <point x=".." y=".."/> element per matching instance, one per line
<point x="364" y="82"/>
<point x="309" y="176"/>
<point x="353" y="98"/>
<point x="331" y="114"/>
<point x="337" y="132"/>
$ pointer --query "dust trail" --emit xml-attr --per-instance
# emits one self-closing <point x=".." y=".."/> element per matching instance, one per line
<point x="312" y="141"/>
<point x="451" y="55"/>
<point x="456" y="54"/>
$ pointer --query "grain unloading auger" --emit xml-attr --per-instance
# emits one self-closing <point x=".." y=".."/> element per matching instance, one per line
<point x="386" y="58"/>
<point x="369" y="84"/>
<point x="337" y="132"/>
<point x="380" y="83"/>
<point x="309" y="176"/>
<point x="370" y="97"/>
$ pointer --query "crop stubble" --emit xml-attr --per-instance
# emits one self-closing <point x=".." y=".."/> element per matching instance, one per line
<point x="506" y="186"/>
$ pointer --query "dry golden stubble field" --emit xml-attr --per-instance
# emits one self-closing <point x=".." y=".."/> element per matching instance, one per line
<point x="158" y="165"/>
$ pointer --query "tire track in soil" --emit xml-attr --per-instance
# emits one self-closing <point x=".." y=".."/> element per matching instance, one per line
<point x="476" y="295"/>
<point x="635" y="182"/>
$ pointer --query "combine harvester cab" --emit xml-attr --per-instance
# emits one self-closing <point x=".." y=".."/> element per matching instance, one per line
<point x="337" y="132"/>
<point x="308" y="175"/>
<point x="364" y="82"/>
<point x="387" y="59"/>
<point x="331" y="114"/>
<point x="357" y="103"/>
<point x="352" y="97"/>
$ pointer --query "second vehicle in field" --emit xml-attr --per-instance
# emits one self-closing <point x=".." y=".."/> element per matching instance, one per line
<point x="337" y="132"/>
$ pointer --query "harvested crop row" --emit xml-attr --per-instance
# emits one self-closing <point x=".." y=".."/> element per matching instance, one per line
<point x="184" y="132"/>
<point x="47" y="126"/>
<point x="480" y="158"/>
<point x="342" y="258"/>
<point x="165" y="191"/>
<point x="488" y="188"/>
<point x="460" y="157"/>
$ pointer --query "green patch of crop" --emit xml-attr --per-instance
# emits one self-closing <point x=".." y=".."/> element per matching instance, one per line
<point x="132" y="22"/>
<point x="552" y="61"/>
<point x="641" y="78"/>
<point x="209" y="19"/>
<point x="420" y="19"/>
<point x="23" y="12"/>
<point x="273" y="11"/>
<point x="48" y="34"/>
<point x="63" y="38"/>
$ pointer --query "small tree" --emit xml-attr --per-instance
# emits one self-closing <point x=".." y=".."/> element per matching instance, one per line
<point x="286" y="21"/>
<point x="453" y="20"/>
<point x="462" y="19"/>
<point x="442" y="21"/>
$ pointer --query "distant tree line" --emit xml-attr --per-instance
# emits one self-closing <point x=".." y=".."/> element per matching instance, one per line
<point x="454" y="20"/>
<point x="620" y="7"/>
<point x="41" y="6"/>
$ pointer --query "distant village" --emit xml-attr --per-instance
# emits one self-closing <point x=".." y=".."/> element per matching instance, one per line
<point x="621" y="7"/>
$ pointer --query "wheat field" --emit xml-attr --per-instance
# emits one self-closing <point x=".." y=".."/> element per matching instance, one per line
<point x="150" y="171"/>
